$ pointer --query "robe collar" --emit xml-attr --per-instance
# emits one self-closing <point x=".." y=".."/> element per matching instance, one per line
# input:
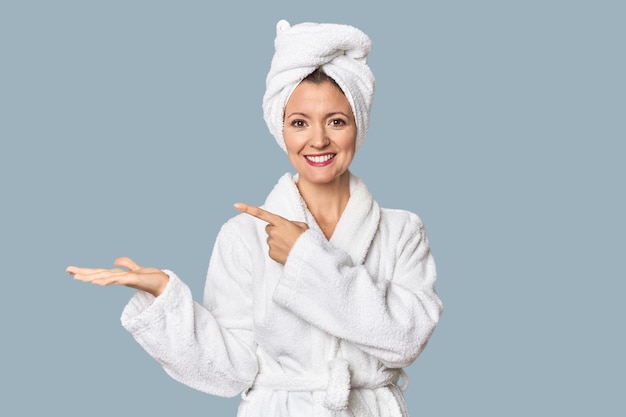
<point x="358" y="222"/>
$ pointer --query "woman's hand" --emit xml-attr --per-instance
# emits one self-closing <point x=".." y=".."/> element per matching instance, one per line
<point x="151" y="280"/>
<point x="281" y="233"/>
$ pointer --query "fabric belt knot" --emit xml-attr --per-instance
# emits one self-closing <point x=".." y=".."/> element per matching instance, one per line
<point x="331" y="389"/>
<point x="338" y="388"/>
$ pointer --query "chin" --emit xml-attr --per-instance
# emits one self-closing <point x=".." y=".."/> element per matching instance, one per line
<point x="322" y="178"/>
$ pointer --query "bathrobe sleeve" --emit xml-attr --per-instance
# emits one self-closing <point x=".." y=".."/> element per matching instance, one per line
<point x="209" y="346"/>
<point x="390" y="317"/>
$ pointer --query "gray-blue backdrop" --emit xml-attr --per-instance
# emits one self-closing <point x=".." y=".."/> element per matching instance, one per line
<point x="130" y="128"/>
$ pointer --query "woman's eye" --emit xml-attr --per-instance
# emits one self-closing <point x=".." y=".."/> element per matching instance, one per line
<point x="298" y="123"/>
<point x="337" y="122"/>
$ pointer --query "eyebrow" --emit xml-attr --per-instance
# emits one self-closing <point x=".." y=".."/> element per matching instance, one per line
<point x="328" y="115"/>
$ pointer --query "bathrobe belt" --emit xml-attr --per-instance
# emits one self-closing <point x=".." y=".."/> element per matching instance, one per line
<point x="335" y="385"/>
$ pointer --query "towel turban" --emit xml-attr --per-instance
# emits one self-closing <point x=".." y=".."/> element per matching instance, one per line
<point x="339" y="50"/>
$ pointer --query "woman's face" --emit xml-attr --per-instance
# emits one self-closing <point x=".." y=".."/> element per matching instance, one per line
<point x="320" y="132"/>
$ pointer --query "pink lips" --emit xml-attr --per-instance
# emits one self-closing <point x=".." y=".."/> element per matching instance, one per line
<point x="320" y="160"/>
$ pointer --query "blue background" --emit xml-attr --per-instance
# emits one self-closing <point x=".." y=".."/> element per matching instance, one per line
<point x="128" y="128"/>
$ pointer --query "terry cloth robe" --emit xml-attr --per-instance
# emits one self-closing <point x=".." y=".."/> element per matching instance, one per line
<point x="324" y="335"/>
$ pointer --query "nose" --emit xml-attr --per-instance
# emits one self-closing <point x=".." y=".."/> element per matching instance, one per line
<point x="319" y="137"/>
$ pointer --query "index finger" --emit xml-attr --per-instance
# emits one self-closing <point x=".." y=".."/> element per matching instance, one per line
<point x="74" y="270"/>
<point x="259" y="213"/>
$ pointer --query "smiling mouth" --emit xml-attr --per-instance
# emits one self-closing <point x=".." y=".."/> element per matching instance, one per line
<point x="320" y="159"/>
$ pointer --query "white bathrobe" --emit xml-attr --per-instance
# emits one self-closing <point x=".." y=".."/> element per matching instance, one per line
<point x="324" y="335"/>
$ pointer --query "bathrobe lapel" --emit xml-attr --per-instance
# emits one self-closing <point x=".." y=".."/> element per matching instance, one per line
<point x="358" y="223"/>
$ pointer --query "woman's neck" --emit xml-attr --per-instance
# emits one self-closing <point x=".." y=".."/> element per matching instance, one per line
<point x="326" y="202"/>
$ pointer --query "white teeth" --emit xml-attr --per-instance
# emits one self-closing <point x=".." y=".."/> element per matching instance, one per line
<point x="321" y="158"/>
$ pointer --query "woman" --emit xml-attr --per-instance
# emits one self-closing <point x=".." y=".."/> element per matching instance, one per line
<point x="315" y="302"/>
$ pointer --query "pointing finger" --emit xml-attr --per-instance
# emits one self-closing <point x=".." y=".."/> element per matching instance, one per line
<point x="259" y="213"/>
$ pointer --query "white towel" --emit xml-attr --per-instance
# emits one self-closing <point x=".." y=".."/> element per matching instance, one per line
<point x="340" y="50"/>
